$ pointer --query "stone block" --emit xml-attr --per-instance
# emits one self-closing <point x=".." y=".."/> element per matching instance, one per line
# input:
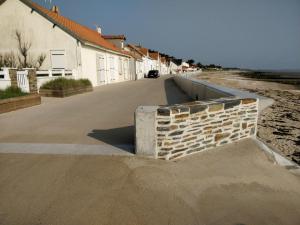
<point x="219" y="137"/>
<point x="198" y="108"/>
<point x="216" y="107"/>
<point x="248" y="101"/>
<point x="163" y="112"/>
<point x="231" y="104"/>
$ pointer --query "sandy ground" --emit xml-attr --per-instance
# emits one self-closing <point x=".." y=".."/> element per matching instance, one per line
<point x="234" y="184"/>
<point x="279" y="125"/>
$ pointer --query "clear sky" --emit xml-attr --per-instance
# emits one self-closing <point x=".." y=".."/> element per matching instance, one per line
<point x="257" y="34"/>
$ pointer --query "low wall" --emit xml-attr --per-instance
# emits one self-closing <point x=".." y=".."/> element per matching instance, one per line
<point x="172" y="132"/>
<point x="203" y="90"/>
<point x="181" y="130"/>
<point x="12" y="104"/>
<point x="197" y="90"/>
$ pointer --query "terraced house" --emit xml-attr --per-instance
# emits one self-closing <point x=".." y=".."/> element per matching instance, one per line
<point x="65" y="43"/>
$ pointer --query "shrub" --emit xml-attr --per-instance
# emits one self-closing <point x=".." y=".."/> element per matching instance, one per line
<point x="63" y="84"/>
<point x="11" y="92"/>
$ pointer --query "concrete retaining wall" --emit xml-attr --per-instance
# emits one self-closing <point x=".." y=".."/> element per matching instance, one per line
<point x="203" y="90"/>
<point x="198" y="91"/>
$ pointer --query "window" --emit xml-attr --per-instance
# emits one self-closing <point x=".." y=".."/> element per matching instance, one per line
<point x="58" y="59"/>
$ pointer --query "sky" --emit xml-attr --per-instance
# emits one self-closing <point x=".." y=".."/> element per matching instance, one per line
<point x="254" y="34"/>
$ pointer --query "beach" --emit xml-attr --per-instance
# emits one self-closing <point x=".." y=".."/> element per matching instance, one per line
<point x="278" y="125"/>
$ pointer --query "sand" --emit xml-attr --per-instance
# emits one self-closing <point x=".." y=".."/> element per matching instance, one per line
<point x="278" y="125"/>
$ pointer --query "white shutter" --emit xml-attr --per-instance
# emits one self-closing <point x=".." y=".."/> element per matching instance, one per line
<point x="58" y="59"/>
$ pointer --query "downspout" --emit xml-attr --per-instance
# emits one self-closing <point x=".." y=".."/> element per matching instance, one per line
<point x="79" y="60"/>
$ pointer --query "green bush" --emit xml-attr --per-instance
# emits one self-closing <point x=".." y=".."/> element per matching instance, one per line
<point x="63" y="84"/>
<point x="11" y="92"/>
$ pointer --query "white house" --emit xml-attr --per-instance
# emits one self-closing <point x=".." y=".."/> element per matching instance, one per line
<point x="139" y="60"/>
<point x="156" y="62"/>
<point x="148" y="63"/>
<point x="165" y="69"/>
<point x="66" y="44"/>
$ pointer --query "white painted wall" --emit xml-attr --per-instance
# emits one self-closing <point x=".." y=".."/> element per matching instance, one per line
<point x="15" y="15"/>
<point x="5" y="80"/>
<point x="113" y="74"/>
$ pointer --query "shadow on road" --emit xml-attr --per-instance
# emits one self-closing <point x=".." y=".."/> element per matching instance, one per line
<point x="174" y="94"/>
<point x="122" y="137"/>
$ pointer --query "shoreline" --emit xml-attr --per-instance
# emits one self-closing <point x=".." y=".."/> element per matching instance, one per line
<point x="273" y="76"/>
<point x="278" y="125"/>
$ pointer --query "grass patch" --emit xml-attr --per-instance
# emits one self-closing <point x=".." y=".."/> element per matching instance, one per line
<point x="11" y="92"/>
<point x="65" y="84"/>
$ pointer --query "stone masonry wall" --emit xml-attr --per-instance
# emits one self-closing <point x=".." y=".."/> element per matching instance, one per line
<point x="190" y="128"/>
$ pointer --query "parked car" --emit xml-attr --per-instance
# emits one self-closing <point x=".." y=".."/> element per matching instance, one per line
<point x="153" y="74"/>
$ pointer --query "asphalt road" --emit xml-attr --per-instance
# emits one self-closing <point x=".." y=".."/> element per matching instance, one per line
<point x="105" y="116"/>
<point x="231" y="185"/>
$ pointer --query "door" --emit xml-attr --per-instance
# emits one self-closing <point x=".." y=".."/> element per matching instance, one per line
<point x="126" y="69"/>
<point x="101" y="70"/>
<point x="112" y="68"/>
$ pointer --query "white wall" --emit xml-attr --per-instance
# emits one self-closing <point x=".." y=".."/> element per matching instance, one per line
<point x="15" y="15"/>
<point x="119" y="73"/>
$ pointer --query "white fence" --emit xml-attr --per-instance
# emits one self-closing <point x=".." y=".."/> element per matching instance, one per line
<point x="43" y="76"/>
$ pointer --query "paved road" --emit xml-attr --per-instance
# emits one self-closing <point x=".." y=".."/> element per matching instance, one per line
<point x="105" y="116"/>
<point x="231" y="185"/>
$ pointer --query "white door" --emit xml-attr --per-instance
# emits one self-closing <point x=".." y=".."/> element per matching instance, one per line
<point x="101" y="70"/>
<point x="112" y="68"/>
<point x="126" y="72"/>
<point x="22" y="80"/>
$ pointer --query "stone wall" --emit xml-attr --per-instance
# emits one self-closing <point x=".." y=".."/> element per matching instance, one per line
<point x="185" y="129"/>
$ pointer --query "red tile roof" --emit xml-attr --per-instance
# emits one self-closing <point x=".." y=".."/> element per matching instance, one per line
<point x="122" y="37"/>
<point x="154" y="55"/>
<point x="136" y="49"/>
<point x="134" y="55"/>
<point x="143" y="50"/>
<point x="75" y="29"/>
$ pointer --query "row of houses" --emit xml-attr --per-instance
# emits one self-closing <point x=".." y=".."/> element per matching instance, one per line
<point x="68" y="45"/>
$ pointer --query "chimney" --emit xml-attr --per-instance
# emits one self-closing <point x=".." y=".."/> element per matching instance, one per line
<point x="55" y="9"/>
<point x="99" y="30"/>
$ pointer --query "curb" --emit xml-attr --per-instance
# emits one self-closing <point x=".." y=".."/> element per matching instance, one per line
<point x="277" y="157"/>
